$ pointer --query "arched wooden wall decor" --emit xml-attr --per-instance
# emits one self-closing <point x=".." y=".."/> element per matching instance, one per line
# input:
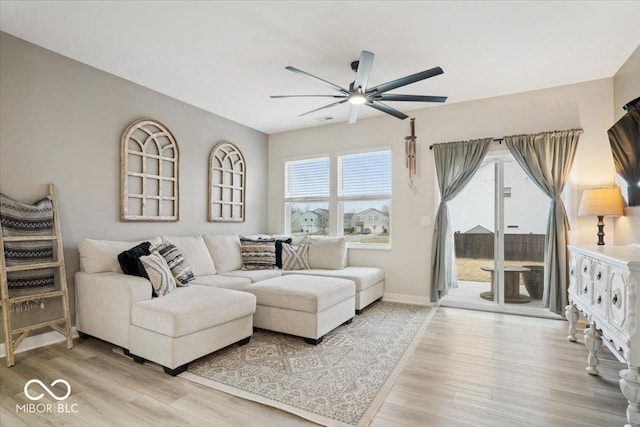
<point x="227" y="183"/>
<point x="148" y="173"/>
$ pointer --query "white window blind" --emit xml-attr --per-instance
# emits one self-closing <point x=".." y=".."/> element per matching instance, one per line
<point x="366" y="174"/>
<point x="307" y="179"/>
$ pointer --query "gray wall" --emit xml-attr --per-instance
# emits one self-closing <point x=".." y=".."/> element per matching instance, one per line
<point x="61" y="122"/>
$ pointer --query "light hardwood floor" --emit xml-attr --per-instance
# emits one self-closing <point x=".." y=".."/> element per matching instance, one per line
<point x="469" y="369"/>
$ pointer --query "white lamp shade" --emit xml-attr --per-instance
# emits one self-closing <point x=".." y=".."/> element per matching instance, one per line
<point x="602" y="202"/>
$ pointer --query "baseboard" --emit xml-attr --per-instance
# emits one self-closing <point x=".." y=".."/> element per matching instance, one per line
<point x="407" y="299"/>
<point x="37" y="341"/>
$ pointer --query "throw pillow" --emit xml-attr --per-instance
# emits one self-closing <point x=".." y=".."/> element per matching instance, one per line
<point x="258" y="254"/>
<point x="195" y="252"/>
<point x="295" y="257"/>
<point x="279" y="250"/>
<point x="178" y="266"/>
<point x="328" y="253"/>
<point x="159" y="273"/>
<point x="130" y="260"/>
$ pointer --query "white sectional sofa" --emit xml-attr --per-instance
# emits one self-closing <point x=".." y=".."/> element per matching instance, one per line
<point x="214" y="310"/>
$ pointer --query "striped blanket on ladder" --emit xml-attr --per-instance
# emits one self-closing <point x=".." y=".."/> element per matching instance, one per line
<point x="22" y="219"/>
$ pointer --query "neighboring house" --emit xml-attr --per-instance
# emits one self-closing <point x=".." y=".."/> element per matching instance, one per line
<point x="478" y="229"/>
<point x="311" y="222"/>
<point x="372" y="219"/>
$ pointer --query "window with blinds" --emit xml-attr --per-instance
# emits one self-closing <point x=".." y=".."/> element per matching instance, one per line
<point x="307" y="196"/>
<point x="364" y="197"/>
<point x="360" y="205"/>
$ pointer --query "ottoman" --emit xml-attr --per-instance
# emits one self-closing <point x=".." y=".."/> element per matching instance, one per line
<point x="189" y="323"/>
<point x="305" y="306"/>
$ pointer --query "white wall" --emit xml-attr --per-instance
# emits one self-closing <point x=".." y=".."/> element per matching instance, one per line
<point x="626" y="86"/>
<point x="61" y="122"/>
<point x="584" y="105"/>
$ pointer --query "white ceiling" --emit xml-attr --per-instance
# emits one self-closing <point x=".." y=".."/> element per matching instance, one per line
<point x="228" y="57"/>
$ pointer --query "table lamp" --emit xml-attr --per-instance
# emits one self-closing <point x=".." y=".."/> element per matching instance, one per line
<point x="601" y="202"/>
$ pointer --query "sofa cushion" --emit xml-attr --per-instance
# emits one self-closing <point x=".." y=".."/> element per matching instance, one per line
<point x="100" y="256"/>
<point x="258" y="254"/>
<point x="130" y="260"/>
<point x="310" y="294"/>
<point x="364" y="277"/>
<point x="225" y="251"/>
<point x="195" y="253"/>
<point x="328" y="253"/>
<point x="220" y="281"/>
<point x="159" y="273"/>
<point x="255" y="275"/>
<point x="191" y="309"/>
<point x="295" y="257"/>
<point x="179" y="267"/>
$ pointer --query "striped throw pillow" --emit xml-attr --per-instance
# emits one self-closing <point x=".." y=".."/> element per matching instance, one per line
<point x="295" y="257"/>
<point x="258" y="254"/>
<point x="176" y="262"/>
<point x="159" y="274"/>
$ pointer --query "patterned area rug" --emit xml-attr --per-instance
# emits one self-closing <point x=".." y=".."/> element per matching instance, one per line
<point x="340" y="382"/>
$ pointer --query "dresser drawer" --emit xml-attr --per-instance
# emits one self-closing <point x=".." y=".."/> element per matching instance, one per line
<point x="599" y="278"/>
<point x="585" y="282"/>
<point x="618" y="299"/>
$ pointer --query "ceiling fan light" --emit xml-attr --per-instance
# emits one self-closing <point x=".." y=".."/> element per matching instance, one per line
<point x="357" y="99"/>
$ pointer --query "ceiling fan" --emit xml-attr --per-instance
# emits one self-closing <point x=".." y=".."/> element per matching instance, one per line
<point x="359" y="94"/>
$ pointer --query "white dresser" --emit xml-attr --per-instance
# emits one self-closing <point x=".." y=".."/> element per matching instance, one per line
<point x="604" y="282"/>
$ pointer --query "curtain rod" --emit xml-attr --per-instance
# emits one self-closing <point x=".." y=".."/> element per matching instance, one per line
<point x="498" y="140"/>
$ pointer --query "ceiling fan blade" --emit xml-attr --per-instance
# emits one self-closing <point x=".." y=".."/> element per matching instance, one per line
<point x="322" y="108"/>
<point x="394" y="84"/>
<point x="318" y="79"/>
<point x="386" y="109"/>
<point x="353" y="113"/>
<point x="364" y="69"/>
<point x="313" y="96"/>
<point x="414" y="98"/>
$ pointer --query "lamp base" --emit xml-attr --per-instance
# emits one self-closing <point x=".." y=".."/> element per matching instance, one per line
<point x="600" y="230"/>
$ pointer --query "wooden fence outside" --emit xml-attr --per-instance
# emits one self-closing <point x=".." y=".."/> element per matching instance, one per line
<point x="517" y="247"/>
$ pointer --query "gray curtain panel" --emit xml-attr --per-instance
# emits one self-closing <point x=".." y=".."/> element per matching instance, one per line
<point x="624" y="138"/>
<point x="456" y="163"/>
<point x="547" y="159"/>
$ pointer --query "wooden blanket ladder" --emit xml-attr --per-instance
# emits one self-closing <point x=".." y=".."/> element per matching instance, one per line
<point x="63" y="324"/>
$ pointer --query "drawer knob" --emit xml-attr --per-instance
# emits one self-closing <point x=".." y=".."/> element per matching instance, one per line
<point x="599" y="299"/>
<point x="599" y="276"/>
<point x="615" y="298"/>
<point x="584" y="269"/>
<point x="585" y="289"/>
<point x="571" y="273"/>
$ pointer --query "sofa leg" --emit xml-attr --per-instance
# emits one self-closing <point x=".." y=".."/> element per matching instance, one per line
<point x="138" y="359"/>
<point x="126" y="352"/>
<point x="83" y="335"/>
<point x="175" y="371"/>
<point x="348" y="321"/>
<point x="244" y="341"/>
<point x="358" y="312"/>
<point x="313" y="341"/>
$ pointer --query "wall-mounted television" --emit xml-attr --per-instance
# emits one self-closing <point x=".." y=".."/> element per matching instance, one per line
<point x="624" y="138"/>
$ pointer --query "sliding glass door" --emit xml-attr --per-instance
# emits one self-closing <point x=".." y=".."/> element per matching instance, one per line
<point x="499" y="224"/>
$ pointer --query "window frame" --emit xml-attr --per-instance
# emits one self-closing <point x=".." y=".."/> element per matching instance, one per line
<point x="336" y="203"/>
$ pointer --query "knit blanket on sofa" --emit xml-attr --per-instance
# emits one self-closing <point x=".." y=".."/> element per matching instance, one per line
<point x="22" y="219"/>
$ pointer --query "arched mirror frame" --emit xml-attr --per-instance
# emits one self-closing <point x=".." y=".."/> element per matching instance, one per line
<point x="227" y="183"/>
<point x="149" y="186"/>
